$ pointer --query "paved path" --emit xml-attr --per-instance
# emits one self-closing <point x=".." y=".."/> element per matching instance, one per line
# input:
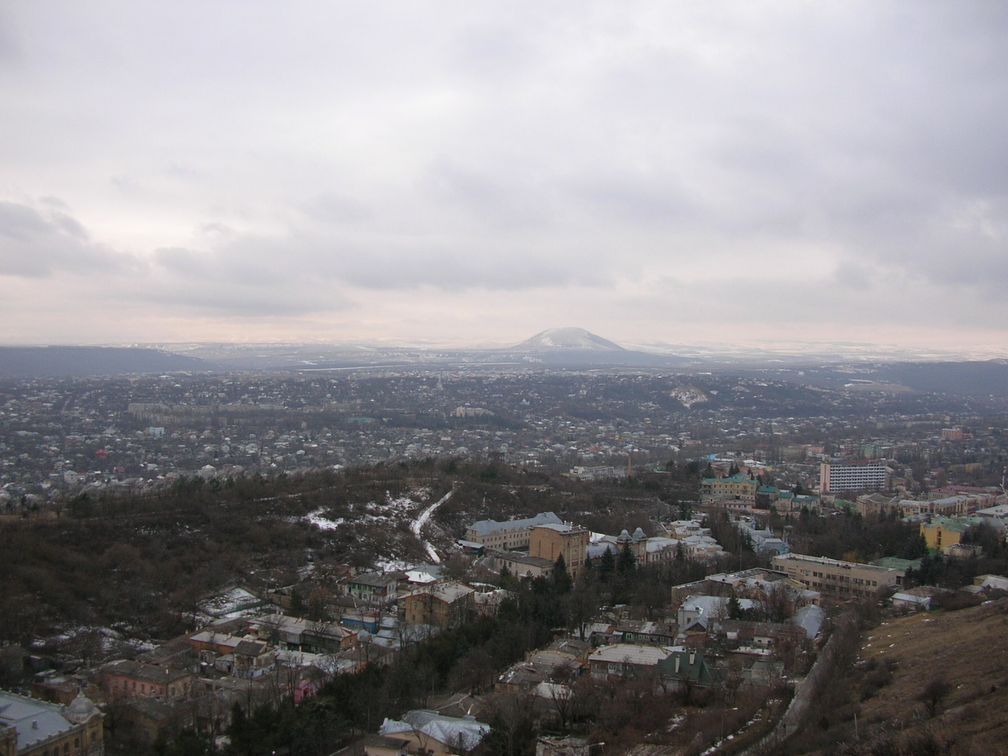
<point x="421" y="520"/>
<point x="807" y="690"/>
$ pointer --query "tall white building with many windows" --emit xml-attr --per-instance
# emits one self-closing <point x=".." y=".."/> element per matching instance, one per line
<point x="872" y="475"/>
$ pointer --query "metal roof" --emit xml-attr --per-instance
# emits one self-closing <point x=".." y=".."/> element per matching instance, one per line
<point x="35" y="721"/>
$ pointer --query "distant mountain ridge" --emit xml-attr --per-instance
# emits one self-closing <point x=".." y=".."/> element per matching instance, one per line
<point x="70" y="361"/>
<point x="567" y="339"/>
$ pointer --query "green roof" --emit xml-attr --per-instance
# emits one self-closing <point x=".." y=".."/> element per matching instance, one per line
<point x="896" y="563"/>
<point x="955" y="524"/>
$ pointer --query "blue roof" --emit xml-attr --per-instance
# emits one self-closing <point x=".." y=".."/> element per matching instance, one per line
<point x="35" y="721"/>
<point x="486" y="527"/>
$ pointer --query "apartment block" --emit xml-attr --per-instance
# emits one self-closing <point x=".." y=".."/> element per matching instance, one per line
<point x="834" y="477"/>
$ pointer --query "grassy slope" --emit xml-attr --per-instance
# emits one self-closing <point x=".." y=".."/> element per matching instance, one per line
<point x="969" y="648"/>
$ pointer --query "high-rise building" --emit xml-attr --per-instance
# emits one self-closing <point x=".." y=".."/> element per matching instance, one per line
<point x="863" y="477"/>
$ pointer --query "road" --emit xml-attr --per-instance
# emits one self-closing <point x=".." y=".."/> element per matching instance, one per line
<point x="421" y="520"/>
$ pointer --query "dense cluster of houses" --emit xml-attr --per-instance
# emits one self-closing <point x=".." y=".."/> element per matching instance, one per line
<point x="530" y="547"/>
<point x="754" y="627"/>
<point x="252" y="650"/>
<point x="750" y="628"/>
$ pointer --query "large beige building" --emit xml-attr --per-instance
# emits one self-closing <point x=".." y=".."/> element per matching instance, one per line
<point x="836" y="578"/>
<point x="737" y="489"/>
<point x="510" y="534"/>
<point x="550" y="541"/>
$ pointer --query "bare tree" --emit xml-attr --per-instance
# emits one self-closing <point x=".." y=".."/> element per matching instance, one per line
<point x="934" y="693"/>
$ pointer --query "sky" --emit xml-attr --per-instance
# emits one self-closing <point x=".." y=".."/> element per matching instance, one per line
<point x="474" y="172"/>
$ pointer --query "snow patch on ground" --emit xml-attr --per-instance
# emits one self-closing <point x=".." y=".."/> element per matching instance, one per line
<point x="393" y="565"/>
<point x="323" y="523"/>
<point x="390" y="511"/>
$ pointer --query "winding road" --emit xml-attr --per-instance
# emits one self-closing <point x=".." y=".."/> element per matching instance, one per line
<point x="421" y="520"/>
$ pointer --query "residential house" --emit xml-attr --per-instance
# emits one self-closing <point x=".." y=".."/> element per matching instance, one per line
<point x="916" y="599"/>
<point x="302" y="634"/>
<point x="705" y="611"/>
<point x="440" y="605"/>
<point x="374" y="588"/>
<point x="627" y="660"/>
<point x="561" y="660"/>
<point x="647" y="631"/>
<point x="436" y="734"/>
<point x="682" y="668"/>
<point x="125" y="678"/>
<point x="252" y="659"/>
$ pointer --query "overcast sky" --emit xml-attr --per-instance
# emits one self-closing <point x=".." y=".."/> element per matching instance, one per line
<point x="478" y="171"/>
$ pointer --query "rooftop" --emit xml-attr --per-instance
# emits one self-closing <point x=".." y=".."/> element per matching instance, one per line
<point x="631" y="654"/>
<point x="486" y="527"/>
<point x="830" y="562"/>
<point x="35" y="721"/>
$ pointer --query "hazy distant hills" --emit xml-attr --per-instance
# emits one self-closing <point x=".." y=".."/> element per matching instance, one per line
<point x="964" y="378"/>
<point x="967" y="378"/>
<point x="60" y="361"/>
<point x="558" y="348"/>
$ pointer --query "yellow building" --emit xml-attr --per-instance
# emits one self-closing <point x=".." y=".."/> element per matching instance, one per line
<point x="552" y="541"/>
<point x="944" y="532"/>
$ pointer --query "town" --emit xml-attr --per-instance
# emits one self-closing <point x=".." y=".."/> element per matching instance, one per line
<point x="60" y="437"/>
<point x="503" y="379"/>
<point x="479" y="607"/>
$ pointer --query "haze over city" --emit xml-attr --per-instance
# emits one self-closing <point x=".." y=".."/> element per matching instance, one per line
<point x="473" y="174"/>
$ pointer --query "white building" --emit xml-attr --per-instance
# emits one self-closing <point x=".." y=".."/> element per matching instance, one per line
<point x="864" y="477"/>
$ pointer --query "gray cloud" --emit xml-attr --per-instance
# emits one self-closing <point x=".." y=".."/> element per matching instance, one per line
<point x="315" y="160"/>
<point x="36" y="243"/>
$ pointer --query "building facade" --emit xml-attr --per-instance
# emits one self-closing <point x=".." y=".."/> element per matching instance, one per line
<point x="738" y="489"/>
<point x="836" y="578"/>
<point x="508" y="535"/>
<point x="38" y="728"/>
<point x="550" y="542"/>
<point x="441" y="605"/>
<point x="866" y="477"/>
<point x="131" y="679"/>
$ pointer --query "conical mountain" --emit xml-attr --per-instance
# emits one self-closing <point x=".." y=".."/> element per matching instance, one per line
<point x="566" y="339"/>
